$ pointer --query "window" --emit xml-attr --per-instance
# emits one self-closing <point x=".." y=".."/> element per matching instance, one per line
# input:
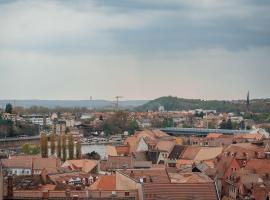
<point x="126" y="194"/>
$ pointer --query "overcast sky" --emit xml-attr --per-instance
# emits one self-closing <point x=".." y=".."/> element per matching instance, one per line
<point x="141" y="49"/>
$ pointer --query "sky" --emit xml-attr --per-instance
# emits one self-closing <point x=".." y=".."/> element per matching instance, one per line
<point x="141" y="49"/>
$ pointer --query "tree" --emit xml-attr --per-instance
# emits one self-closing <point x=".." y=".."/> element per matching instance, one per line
<point x="107" y="127"/>
<point x="117" y="124"/>
<point x="133" y="126"/>
<point x="168" y="122"/>
<point x="64" y="147"/>
<point x="71" y="146"/>
<point x="44" y="145"/>
<point x="8" y="108"/>
<point x="52" y="141"/>
<point x="78" y="150"/>
<point x="223" y="124"/>
<point x="59" y="147"/>
<point x="30" y="149"/>
<point x="93" y="156"/>
<point x="229" y="124"/>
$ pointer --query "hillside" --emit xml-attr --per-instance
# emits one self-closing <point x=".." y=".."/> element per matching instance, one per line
<point x="174" y="103"/>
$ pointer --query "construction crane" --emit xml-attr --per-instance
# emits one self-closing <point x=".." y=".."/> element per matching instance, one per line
<point x="117" y="101"/>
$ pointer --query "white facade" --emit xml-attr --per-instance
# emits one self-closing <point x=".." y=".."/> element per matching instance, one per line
<point x="142" y="146"/>
<point x="18" y="171"/>
<point x="38" y="119"/>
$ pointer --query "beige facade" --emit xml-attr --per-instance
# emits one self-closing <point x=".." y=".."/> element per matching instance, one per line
<point x="123" y="182"/>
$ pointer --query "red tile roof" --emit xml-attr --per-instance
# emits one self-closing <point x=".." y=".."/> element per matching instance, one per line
<point x="214" y="135"/>
<point x="259" y="166"/>
<point x="119" y="162"/>
<point x="156" y="175"/>
<point x="83" y="165"/>
<point x="180" y="191"/>
<point x="107" y="182"/>
<point x="43" y="163"/>
<point x="190" y="152"/>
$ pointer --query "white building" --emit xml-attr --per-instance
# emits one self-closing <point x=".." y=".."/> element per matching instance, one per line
<point x="41" y="120"/>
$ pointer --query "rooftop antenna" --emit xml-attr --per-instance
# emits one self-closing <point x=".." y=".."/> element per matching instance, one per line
<point x="117" y="101"/>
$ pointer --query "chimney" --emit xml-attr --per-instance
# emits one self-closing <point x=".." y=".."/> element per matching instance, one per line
<point x="132" y="174"/>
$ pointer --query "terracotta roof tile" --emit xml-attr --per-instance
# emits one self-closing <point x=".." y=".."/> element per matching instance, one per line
<point x="107" y="182"/>
<point x="83" y="165"/>
<point x="214" y="135"/>
<point x="41" y="163"/>
<point x="120" y="162"/>
<point x="190" y="152"/>
<point x="259" y="166"/>
<point x="164" y="145"/>
<point x="208" y="153"/>
<point x="153" y="175"/>
<point x="180" y="191"/>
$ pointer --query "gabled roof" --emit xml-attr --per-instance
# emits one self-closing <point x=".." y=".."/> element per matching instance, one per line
<point x="208" y="153"/>
<point x="150" y="136"/>
<point x="180" y="191"/>
<point x="190" y="152"/>
<point x="191" y="177"/>
<point x="201" y="153"/>
<point x="165" y="145"/>
<point x="153" y="175"/>
<point x="31" y="162"/>
<point x="119" y="162"/>
<point x="176" y="152"/>
<point x="43" y="163"/>
<point x="83" y="165"/>
<point x="16" y="163"/>
<point x="107" y="182"/>
<point x="259" y="166"/>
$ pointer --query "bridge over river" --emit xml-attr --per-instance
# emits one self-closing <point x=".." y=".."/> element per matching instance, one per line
<point x="200" y="131"/>
<point x="18" y="142"/>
